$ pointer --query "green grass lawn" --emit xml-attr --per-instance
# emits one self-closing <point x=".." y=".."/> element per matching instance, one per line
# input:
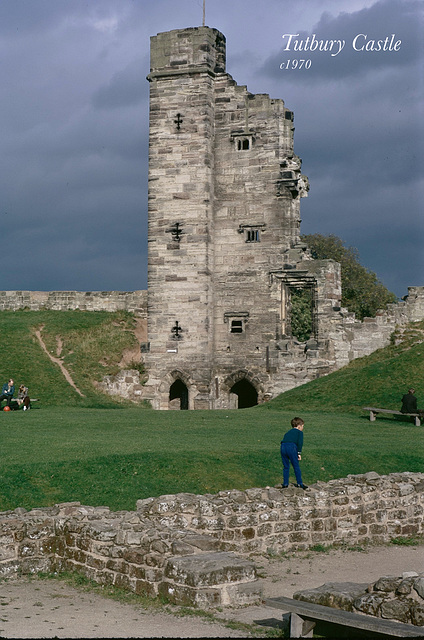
<point x="100" y="451"/>
<point x="115" y="456"/>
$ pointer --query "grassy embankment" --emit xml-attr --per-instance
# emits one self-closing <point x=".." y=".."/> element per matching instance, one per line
<point x="99" y="451"/>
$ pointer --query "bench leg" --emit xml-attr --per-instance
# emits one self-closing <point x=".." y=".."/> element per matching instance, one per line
<point x="417" y="421"/>
<point x="300" y="628"/>
<point x="372" y="416"/>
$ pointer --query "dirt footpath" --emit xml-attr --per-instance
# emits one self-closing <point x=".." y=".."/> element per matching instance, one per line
<point x="52" y="609"/>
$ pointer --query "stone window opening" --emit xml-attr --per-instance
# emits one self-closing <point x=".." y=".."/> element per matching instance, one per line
<point x="301" y="312"/>
<point x="243" y="144"/>
<point x="252" y="232"/>
<point x="253" y="235"/>
<point x="236" y="321"/>
<point x="236" y="326"/>
<point x="298" y="311"/>
<point x="243" y="140"/>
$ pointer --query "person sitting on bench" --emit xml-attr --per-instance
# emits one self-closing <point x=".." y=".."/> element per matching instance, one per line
<point x="23" y="397"/>
<point x="7" y="392"/>
<point x="409" y="402"/>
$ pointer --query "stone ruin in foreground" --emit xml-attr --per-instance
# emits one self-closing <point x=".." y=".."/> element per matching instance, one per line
<point x="200" y="549"/>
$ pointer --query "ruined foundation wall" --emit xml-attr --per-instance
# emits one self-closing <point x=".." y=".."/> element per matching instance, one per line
<point x="354" y="339"/>
<point x="357" y="510"/>
<point x="133" y="301"/>
<point x="128" y="384"/>
<point x="182" y="546"/>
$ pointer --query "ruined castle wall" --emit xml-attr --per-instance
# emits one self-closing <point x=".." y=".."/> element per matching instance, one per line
<point x="183" y="546"/>
<point x="133" y="301"/>
<point x="341" y="337"/>
<point x="257" y="220"/>
<point x="353" y="339"/>
<point x="127" y="384"/>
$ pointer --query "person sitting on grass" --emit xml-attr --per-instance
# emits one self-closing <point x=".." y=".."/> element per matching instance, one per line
<point x="291" y="448"/>
<point x="7" y="392"/>
<point x="23" y="397"/>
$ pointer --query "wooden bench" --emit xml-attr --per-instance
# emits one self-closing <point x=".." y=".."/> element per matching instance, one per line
<point x="373" y="414"/>
<point x="14" y="404"/>
<point x="304" y="616"/>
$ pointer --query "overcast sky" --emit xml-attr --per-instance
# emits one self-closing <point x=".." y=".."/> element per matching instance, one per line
<point x="74" y="128"/>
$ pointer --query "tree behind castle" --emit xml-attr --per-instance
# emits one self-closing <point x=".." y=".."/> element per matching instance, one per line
<point x="362" y="291"/>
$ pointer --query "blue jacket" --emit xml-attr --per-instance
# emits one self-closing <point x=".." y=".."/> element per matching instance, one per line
<point x="6" y="391"/>
<point x="295" y="436"/>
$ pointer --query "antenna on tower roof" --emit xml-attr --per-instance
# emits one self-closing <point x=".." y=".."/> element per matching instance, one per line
<point x="204" y="12"/>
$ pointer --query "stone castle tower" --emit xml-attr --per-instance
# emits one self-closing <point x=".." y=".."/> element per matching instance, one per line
<point x="224" y="223"/>
<point x="225" y="263"/>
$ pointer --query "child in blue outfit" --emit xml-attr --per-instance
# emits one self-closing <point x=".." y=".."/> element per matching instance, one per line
<point x="291" y="449"/>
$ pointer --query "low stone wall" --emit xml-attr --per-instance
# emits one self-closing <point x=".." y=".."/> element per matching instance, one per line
<point x="182" y="546"/>
<point x="126" y="550"/>
<point x="134" y="301"/>
<point x="357" y="510"/>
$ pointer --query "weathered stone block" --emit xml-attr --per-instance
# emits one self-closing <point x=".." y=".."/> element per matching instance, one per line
<point x="419" y="586"/>
<point x="7" y="552"/>
<point x="202" y="542"/>
<point x="369" y="603"/>
<point x="122" y="581"/>
<point x="143" y="587"/>
<point x="340" y="595"/>
<point x="117" y="565"/>
<point x="387" y="584"/>
<point x="395" y="610"/>
<point x="242" y="594"/>
<point x="28" y="549"/>
<point x="190" y="596"/>
<point x="417" y="614"/>
<point x="209" y="569"/>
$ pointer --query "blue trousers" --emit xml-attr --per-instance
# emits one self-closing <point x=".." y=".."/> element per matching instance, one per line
<point x="289" y="455"/>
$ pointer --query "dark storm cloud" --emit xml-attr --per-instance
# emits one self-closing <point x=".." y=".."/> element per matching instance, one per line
<point x="126" y="87"/>
<point x="74" y="129"/>
<point x="74" y="172"/>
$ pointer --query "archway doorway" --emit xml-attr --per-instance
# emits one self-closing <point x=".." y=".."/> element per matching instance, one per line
<point x="247" y="396"/>
<point x="178" y="395"/>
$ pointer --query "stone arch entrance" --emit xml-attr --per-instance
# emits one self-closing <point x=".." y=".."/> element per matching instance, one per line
<point x="246" y="394"/>
<point x="178" y="395"/>
<point x="243" y="389"/>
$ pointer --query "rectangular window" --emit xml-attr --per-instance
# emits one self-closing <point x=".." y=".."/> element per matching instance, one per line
<point x="243" y="144"/>
<point x="252" y="235"/>
<point x="236" y="326"/>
